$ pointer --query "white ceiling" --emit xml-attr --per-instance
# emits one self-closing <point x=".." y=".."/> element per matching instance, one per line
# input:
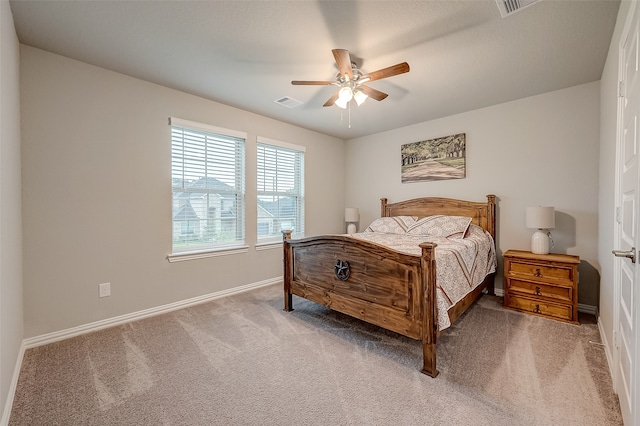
<point x="463" y="55"/>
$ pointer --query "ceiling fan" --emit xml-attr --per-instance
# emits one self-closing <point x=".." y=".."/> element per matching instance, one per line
<point x="351" y="81"/>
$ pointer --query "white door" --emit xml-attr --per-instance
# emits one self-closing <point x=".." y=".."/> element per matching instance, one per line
<point x="628" y="197"/>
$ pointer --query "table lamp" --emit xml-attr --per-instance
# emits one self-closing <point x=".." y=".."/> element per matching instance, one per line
<point x="543" y="219"/>
<point x="351" y="216"/>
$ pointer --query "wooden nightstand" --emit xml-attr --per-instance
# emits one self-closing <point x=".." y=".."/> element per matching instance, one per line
<point x="542" y="284"/>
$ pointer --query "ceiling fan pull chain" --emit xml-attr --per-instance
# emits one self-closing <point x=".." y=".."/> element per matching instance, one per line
<point x="349" y="106"/>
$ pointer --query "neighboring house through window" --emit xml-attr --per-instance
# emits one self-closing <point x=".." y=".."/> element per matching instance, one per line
<point x="280" y="189"/>
<point x="207" y="175"/>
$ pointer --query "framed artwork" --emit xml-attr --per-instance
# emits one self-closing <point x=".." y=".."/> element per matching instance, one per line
<point x="434" y="159"/>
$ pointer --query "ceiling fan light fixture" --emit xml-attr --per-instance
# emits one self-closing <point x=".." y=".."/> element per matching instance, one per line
<point x="360" y="97"/>
<point x="346" y="94"/>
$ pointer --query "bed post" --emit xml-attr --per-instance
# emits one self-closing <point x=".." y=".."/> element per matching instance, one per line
<point x="491" y="226"/>
<point x="429" y="309"/>
<point x="288" y="264"/>
<point x="383" y="207"/>
<point x="491" y="215"/>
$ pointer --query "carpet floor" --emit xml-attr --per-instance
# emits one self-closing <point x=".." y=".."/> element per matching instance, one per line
<point x="242" y="360"/>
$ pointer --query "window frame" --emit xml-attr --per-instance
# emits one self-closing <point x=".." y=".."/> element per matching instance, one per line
<point x="299" y="176"/>
<point x="237" y="191"/>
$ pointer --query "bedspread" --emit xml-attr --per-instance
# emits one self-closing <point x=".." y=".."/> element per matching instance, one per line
<point x="462" y="264"/>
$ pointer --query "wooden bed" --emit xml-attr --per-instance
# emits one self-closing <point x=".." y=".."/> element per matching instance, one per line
<point x="381" y="286"/>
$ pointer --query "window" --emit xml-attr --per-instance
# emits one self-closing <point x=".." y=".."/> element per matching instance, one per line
<point x="207" y="178"/>
<point x="280" y="189"/>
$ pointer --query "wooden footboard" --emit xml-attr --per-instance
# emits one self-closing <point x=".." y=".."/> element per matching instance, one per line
<point x="393" y="290"/>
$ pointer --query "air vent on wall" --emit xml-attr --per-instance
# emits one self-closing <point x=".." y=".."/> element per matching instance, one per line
<point x="509" y="7"/>
<point x="288" y="102"/>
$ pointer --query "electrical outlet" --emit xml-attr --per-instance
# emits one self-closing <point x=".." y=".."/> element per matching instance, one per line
<point x="104" y="289"/>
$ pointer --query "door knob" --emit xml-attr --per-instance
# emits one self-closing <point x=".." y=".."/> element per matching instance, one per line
<point x="631" y="254"/>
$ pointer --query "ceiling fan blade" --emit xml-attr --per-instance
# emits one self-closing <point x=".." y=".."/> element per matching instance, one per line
<point x="311" y="83"/>
<point x="343" y="60"/>
<point x="332" y="99"/>
<point x="373" y="93"/>
<point x="387" y="72"/>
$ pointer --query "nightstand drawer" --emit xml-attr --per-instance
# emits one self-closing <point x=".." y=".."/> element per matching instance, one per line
<point x="541" y="271"/>
<point x="527" y="288"/>
<point x="541" y="308"/>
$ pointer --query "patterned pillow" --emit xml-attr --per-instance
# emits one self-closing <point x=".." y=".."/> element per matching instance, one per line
<point x="441" y="226"/>
<point x="392" y="225"/>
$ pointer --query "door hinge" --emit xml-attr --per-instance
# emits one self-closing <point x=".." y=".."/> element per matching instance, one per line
<point x="621" y="89"/>
<point x="618" y="219"/>
<point x="615" y="339"/>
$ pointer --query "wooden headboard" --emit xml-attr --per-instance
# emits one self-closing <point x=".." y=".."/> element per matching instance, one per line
<point x="481" y="214"/>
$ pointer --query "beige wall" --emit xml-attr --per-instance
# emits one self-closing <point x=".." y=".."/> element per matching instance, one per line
<point x="607" y="166"/>
<point x="10" y="206"/>
<point x="541" y="150"/>
<point x="97" y="195"/>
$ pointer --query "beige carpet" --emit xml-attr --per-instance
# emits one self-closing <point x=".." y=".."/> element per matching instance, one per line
<point x="243" y="361"/>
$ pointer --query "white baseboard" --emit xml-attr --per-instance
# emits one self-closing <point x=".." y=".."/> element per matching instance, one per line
<point x="8" y="405"/>
<point x="44" y="339"/>
<point x="607" y="351"/>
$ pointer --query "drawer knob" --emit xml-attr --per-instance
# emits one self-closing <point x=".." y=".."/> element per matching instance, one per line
<point x="537" y="290"/>
<point x="538" y="273"/>
<point x="537" y="309"/>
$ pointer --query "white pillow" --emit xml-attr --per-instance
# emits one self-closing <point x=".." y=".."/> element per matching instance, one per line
<point x="441" y="226"/>
<point x="392" y="225"/>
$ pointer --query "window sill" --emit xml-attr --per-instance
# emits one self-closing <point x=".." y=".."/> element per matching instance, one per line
<point x="269" y="246"/>
<point x="193" y="255"/>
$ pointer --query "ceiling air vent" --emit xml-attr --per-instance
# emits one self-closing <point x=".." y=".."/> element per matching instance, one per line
<point x="509" y="7"/>
<point x="288" y="102"/>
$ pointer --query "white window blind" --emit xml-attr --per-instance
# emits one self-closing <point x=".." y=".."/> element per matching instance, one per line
<point x="207" y="175"/>
<point x="280" y="189"/>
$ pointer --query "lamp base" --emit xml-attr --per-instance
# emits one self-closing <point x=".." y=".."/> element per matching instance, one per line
<point x="351" y="228"/>
<point x="540" y="242"/>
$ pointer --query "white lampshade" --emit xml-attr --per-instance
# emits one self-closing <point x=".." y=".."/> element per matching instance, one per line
<point x="344" y="96"/>
<point x="341" y="103"/>
<point x="346" y="93"/>
<point x="541" y="217"/>
<point x="360" y="96"/>
<point x="351" y="214"/>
